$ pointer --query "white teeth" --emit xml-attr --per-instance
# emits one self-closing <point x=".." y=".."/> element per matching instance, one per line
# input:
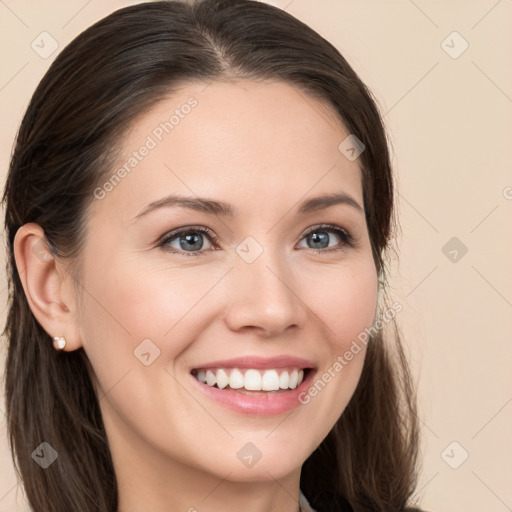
<point x="236" y="379"/>
<point x="294" y="376"/>
<point x="210" y="378"/>
<point x="270" y="381"/>
<point x="251" y="379"/>
<point x="283" y="380"/>
<point x="222" y="379"/>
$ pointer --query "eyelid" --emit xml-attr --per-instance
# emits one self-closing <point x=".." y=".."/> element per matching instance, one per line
<point x="185" y="229"/>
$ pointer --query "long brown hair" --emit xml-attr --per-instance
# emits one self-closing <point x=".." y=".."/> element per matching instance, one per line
<point x="107" y="76"/>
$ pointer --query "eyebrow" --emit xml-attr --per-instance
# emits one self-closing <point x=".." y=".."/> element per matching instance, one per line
<point x="215" y="207"/>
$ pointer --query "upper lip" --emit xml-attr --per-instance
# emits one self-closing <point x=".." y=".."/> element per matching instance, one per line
<point x="258" y="362"/>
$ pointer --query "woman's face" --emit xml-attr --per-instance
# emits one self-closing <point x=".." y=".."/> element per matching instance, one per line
<point x="266" y="289"/>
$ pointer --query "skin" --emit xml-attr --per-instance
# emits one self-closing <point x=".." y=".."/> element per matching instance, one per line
<point x="262" y="147"/>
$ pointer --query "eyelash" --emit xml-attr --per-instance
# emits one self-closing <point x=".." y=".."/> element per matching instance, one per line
<point x="347" y="240"/>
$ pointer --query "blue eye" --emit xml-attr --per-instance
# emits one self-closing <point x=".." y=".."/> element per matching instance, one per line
<point x="190" y="241"/>
<point x="319" y="237"/>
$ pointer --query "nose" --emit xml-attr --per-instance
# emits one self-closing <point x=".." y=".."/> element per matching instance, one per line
<point x="263" y="296"/>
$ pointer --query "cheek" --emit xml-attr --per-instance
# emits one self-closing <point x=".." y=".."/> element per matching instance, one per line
<point x="131" y="303"/>
<point x="130" y="312"/>
<point x="346" y="306"/>
<point x="345" y="300"/>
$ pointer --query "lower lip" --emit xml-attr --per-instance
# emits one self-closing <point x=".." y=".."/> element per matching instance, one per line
<point x="267" y="403"/>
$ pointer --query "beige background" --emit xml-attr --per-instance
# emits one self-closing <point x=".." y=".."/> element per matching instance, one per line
<point x="450" y="121"/>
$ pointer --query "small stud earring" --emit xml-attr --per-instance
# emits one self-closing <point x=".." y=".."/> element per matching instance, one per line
<point x="59" y="342"/>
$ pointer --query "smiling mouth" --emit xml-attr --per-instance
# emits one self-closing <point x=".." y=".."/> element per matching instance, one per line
<point x="252" y="380"/>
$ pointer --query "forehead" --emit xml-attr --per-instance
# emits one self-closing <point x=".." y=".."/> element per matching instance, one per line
<point x="252" y="144"/>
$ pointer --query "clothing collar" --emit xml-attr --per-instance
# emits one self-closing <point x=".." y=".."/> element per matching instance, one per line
<point x="304" y="503"/>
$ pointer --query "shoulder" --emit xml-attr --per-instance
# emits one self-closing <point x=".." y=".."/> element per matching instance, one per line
<point x="306" y="507"/>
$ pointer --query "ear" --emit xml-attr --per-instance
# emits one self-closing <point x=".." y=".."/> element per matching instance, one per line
<point x="47" y="284"/>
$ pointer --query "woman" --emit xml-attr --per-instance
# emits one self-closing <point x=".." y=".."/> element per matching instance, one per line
<point x="198" y="209"/>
